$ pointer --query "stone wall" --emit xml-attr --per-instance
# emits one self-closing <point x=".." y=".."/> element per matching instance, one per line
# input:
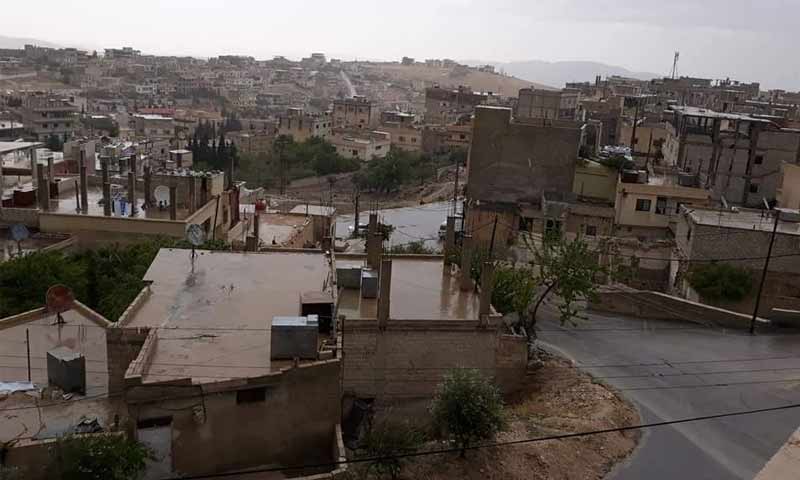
<point x="659" y="306"/>
<point x="26" y="216"/>
<point x="408" y="360"/>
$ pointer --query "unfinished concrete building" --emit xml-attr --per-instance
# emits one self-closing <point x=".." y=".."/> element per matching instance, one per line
<point x="301" y="125"/>
<point x="512" y="163"/>
<point x="549" y="104"/>
<point x="737" y="157"/>
<point x="443" y="106"/>
<point x="355" y="112"/>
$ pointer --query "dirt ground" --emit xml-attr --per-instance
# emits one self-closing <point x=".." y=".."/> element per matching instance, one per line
<point x="556" y="400"/>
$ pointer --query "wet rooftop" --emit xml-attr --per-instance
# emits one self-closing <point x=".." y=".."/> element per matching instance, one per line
<point x="214" y="319"/>
<point x="421" y="290"/>
<point x="66" y="203"/>
<point x="747" y="219"/>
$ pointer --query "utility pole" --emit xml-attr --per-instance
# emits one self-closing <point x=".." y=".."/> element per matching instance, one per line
<point x="491" y="243"/>
<point x="764" y="273"/>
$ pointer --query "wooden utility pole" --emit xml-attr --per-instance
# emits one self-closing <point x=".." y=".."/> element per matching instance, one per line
<point x="764" y="273"/>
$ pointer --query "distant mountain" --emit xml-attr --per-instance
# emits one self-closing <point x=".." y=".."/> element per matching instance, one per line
<point x="556" y="74"/>
<point x="15" y="42"/>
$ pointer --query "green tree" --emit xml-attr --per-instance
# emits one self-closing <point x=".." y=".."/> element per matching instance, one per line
<point x="54" y="143"/>
<point x="514" y="290"/>
<point x="386" y="440"/>
<point x="467" y="408"/>
<point x="24" y="280"/>
<point x="721" y="281"/>
<point x="416" y="247"/>
<point x="97" y="457"/>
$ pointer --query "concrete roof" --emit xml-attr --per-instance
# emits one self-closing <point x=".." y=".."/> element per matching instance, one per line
<point x="214" y="320"/>
<point x="8" y="147"/>
<point x="744" y="219"/>
<point x="420" y="291"/>
<point x="316" y="210"/>
<point x="704" y="112"/>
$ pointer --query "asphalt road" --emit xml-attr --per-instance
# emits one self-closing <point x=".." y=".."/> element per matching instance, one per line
<point x="691" y="371"/>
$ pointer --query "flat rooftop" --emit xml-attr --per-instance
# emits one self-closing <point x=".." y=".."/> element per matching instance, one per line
<point x="744" y="219"/>
<point x="420" y="291"/>
<point x="280" y="228"/>
<point x="704" y="112"/>
<point x="8" y="147"/>
<point x="315" y="210"/>
<point x="66" y="204"/>
<point x="214" y="319"/>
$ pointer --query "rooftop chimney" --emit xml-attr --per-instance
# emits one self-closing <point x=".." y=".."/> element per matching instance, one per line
<point x="466" y="263"/>
<point x="84" y="181"/>
<point x="132" y="185"/>
<point x="384" y="294"/>
<point x="42" y="190"/>
<point x="487" y="279"/>
<point x="449" y="240"/>
<point x="173" y="202"/>
<point x="106" y="186"/>
<point x="147" y="185"/>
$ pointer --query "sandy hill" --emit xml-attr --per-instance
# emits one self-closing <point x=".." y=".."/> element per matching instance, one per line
<point x="448" y="77"/>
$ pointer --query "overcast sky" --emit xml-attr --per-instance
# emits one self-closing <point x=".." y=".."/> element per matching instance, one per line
<point x="750" y="40"/>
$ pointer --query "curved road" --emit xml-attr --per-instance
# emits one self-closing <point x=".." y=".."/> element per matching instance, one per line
<point x="691" y="371"/>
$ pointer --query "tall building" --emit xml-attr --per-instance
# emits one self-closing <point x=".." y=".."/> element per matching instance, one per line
<point x="355" y="112"/>
<point x="301" y="125"/>
<point x="44" y="116"/>
<point x="444" y="106"/>
<point x="549" y="104"/>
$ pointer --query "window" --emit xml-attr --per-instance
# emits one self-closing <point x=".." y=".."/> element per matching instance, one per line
<point x="378" y="147"/>
<point x="355" y="153"/>
<point x="759" y="159"/>
<point x="591" y="230"/>
<point x="753" y="188"/>
<point x="413" y="139"/>
<point x="251" y="395"/>
<point x="154" y="422"/>
<point x="643" y="205"/>
<point x="402" y="138"/>
<point x="661" y="205"/>
<point x="462" y="137"/>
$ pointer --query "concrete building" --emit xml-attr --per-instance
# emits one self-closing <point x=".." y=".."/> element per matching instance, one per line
<point x="443" y="106"/>
<point x="355" y="112"/>
<point x="44" y="116"/>
<point x="253" y="143"/>
<point x="513" y="162"/>
<point x="223" y="381"/>
<point x="301" y="126"/>
<point x="608" y="111"/>
<point x="68" y="373"/>
<point x="405" y="133"/>
<point x="647" y="205"/>
<point x="121" y="53"/>
<point x="549" y="104"/>
<point x="736" y="156"/>
<point x="409" y="321"/>
<point x="741" y="237"/>
<point x="788" y="192"/>
<point x="363" y="145"/>
<point x="154" y="126"/>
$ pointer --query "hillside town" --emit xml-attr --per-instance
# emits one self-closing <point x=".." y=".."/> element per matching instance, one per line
<point x="320" y="268"/>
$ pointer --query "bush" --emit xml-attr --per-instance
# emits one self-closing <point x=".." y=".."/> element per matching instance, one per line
<point x="97" y="457"/>
<point x="467" y="408"/>
<point x="721" y="281"/>
<point x="388" y="439"/>
<point x="417" y="247"/>
<point x="513" y="289"/>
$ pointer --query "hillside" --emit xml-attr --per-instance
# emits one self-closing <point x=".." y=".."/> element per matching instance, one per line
<point x="446" y="77"/>
<point x="15" y="42"/>
<point x="559" y="73"/>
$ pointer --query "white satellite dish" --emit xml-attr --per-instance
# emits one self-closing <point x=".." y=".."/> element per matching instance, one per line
<point x="195" y="235"/>
<point x="161" y="193"/>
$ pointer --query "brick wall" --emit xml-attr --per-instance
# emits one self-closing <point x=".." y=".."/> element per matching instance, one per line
<point x="123" y="346"/>
<point x="26" y="216"/>
<point x="409" y="358"/>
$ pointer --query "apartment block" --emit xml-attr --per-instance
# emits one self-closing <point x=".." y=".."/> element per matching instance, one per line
<point x="355" y="112"/>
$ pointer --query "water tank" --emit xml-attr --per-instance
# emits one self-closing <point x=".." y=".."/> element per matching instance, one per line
<point x="369" y="284"/>
<point x="294" y="337"/>
<point x="66" y="370"/>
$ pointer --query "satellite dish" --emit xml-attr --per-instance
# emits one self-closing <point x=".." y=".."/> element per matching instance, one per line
<point x="59" y="299"/>
<point x="19" y="232"/>
<point x="162" y="194"/>
<point x="195" y="235"/>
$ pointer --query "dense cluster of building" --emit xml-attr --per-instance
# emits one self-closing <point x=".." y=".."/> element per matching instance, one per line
<point x="220" y="367"/>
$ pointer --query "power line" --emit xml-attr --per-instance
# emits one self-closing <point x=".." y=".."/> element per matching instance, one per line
<point x="443" y="451"/>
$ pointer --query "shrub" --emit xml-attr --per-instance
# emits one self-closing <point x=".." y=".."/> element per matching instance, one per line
<point x="467" y="408"/>
<point x="721" y="281"/>
<point x="97" y="457"/>
<point x="388" y="439"/>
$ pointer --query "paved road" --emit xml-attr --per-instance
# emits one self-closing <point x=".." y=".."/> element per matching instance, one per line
<point x="692" y="371"/>
<point x="351" y="90"/>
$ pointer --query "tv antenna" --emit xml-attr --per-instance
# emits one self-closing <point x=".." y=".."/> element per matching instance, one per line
<point x="19" y="232"/>
<point x="59" y="299"/>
